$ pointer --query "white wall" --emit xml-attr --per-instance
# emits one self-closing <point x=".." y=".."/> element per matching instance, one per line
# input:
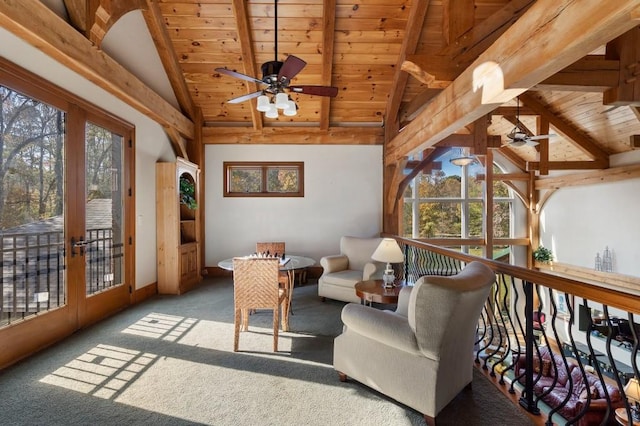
<point x="343" y="196"/>
<point x="578" y="222"/>
<point x="151" y="142"/>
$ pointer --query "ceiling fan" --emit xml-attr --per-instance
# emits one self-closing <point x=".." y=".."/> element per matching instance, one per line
<point x="519" y="137"/>
<point x="277" y="75"/>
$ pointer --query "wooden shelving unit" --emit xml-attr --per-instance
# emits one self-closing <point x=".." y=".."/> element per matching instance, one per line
<point x="178" y="229"/>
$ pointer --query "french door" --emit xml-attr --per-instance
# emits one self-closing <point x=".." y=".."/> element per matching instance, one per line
<point x="66" y="233"/>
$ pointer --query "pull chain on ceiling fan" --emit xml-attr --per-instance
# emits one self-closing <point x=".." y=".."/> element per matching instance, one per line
<point x="520" y="137"/>
<point x="276" y="76"/>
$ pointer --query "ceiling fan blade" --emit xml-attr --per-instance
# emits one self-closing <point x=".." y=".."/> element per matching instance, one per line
<point x="535" y="138"/>
<point x="291" y="67"/>
<point x="244" y="97"/>
<point x="238" y="75"/>
<point x="316" y="90"/>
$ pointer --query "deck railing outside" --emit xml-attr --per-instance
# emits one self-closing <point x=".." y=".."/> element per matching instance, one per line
<point x="33" y="267"/>
<point x="544" y="337"/>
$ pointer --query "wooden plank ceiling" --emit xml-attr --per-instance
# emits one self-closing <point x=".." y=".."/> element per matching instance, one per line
<point x="389" y="60"/>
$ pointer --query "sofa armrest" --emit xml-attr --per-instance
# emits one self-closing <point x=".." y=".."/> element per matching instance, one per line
<point x="371" y="269"/>
<point x="403" y="301"/>
<point x="333" y="263"/>
<point x="386" y="327"/>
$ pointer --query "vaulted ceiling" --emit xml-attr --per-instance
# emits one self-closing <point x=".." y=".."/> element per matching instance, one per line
<point x="411" y="74"/>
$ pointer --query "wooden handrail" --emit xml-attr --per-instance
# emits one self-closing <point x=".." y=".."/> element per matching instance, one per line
<point x="611" y="296"/>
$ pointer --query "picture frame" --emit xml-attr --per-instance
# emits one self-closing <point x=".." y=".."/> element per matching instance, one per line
<point x="562" y="305"/>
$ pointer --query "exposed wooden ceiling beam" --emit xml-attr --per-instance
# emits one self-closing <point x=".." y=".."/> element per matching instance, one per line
<point x="81" y="14"/>
<point x="613" y="174"/>
<point x="328" y="31"/>
<point x="248" y="61"/>
<point x="410" y="110"/>
<point x="35" y="23"/>
<point x="162" y="41"/>
<point x="553" y="29"/>
<point x="592" y="73"/>
<point x="468" y="47"/>
<point x="458" y="18"/>
<point x="589" y="74"/>
<point x="458" y="140"/>
<point x="412" y="33"/>
<point x="625" y="48"/>
<point x="576" y="137"/>
<point x="294" y="136"/>
<point x="569" y="165"/>
<point x="510" y="155"/>
<point x="449" y="62"/>
<point x="107" y="14"/>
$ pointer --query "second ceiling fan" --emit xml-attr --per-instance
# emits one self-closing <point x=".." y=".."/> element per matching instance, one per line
<point x="519" y="137"/>
<point x="277" y="76"/>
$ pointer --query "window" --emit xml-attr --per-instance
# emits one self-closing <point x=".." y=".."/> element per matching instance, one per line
<point x="263" y="179"/>
<point x="449" y="204"/>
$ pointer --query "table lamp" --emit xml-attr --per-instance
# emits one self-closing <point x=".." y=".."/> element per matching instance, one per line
<point x="388" y="251"/>
<point x="632" y="391"/>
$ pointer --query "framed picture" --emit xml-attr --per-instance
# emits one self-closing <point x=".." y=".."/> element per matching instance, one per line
<point x="562" y="304"/>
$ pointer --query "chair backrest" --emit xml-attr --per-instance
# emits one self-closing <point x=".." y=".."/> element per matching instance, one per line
<point x="255" y="283"/>
<point x="271" y="247"/>
<point x="443" y="310"/>
<point x="358" y="250"/>
<point x="539" y="318"/>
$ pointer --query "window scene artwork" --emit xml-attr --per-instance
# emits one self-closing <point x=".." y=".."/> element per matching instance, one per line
<point x="264" y="179"/>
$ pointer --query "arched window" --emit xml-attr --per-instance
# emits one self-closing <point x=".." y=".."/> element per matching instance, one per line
<point x="445" y="204"/>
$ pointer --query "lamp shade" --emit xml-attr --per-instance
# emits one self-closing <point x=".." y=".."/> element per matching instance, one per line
<point x="632" y="389"/>
<point x="388" y="251"/>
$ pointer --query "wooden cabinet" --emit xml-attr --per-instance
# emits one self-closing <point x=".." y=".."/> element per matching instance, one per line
<point x="178" y="227"/>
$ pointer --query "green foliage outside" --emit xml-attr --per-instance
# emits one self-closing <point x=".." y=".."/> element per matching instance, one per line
<point x="250" y="179"/>
<point x="440" y="207"/>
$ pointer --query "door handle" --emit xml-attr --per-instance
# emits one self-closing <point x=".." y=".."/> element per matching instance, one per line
<point x="80" y="243"/>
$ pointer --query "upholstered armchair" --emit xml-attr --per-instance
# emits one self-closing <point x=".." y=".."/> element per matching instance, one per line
<point x="342" y="271"/>
<point x="421" y="354"/>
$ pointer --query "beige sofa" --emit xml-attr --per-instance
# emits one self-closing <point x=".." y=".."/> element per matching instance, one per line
<point x="342" y="271"/>
<point x="422" y="354"/>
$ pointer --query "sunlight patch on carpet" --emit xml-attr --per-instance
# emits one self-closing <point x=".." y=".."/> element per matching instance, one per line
<point x="102" y="371"/>
<point x="161" y="326"/>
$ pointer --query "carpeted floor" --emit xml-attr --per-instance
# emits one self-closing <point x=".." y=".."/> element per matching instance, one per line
<point x="169" y="361"/>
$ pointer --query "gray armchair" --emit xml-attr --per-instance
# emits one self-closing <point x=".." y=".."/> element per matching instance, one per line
<point x="422" y="354"/>
<point x="342" y="271"/>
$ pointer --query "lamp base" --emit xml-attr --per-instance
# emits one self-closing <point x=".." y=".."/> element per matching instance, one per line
<point x="389" y="279"/>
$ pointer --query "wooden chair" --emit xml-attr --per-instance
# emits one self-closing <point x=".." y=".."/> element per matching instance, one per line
<point x="255" y="286"/>
<point x="272" y="247"/>
<point x="278" y="248"/>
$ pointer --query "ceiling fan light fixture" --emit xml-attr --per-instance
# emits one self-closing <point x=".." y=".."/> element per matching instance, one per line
<point x="291" y="110"/>
<point x="264" y="103"/>
<point x="272" y="112"/>
<point x="282" y="100"/>
<point x="463" y="161"/>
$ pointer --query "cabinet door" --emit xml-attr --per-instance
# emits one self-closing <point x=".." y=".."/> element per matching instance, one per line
<point x="188" y="262"/>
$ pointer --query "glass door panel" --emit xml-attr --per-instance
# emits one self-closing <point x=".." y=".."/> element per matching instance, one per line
<point x="103" y="244"/>
<point x="32" y="234"/>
